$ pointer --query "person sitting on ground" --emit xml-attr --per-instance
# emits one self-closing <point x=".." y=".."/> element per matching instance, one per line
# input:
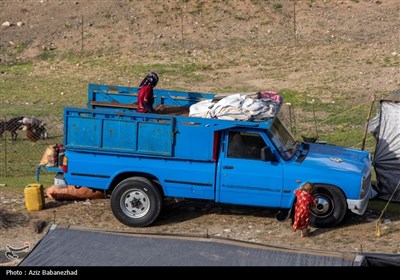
<point x="145" y="94"/>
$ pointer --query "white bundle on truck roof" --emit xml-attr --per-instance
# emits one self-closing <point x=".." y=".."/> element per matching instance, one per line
<point x="245" y="107"/>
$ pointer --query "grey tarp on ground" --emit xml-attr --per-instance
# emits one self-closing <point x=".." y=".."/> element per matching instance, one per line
<point x="380" y="259"/>
<point x="71" y="247"/>
<point x="387" y="151"/>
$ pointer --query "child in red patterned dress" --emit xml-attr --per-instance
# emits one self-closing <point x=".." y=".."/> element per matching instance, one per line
<point x="304" y="200"/>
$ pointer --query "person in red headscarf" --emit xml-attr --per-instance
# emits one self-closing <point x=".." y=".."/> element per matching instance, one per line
<point x="145" y="94"/>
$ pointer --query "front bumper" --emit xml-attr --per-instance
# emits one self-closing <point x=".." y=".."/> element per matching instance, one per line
<point x="359" y="206"/>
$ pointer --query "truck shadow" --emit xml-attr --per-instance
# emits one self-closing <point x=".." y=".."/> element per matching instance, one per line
<point x="183" y="210"/>
<point x="57" y="203"/>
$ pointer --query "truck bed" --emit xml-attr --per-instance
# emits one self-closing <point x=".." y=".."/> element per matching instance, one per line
<point x="110" y="124"/>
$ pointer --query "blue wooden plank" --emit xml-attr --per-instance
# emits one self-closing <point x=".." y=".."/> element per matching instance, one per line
<point x="128" y="95"/>
<point x="155" y="138"/>
<point x="119" y="135"/>
<point x="83" y="132"/>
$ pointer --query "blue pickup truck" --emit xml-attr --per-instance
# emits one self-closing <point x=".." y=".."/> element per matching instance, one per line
<point x="139" y="159"/>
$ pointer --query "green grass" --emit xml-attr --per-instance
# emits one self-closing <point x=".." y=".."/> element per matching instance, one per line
<point x="17" y="69"/>
<point x="18" y="183"/>
<point x="47" y="55"/>
<point x="20" y="158"/>
<point x="164" y="70"/>
<point x="377" y="205"/>
<point x="340" y="123"/>
<point x="298" y="99"/>
<point x="278" y="6"/>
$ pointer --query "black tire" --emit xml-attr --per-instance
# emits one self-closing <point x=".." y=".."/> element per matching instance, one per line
<point x="136" y="202"/>
<point x="330" y="209"/>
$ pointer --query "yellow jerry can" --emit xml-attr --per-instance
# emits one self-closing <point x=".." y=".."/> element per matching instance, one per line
<point x="34" y="197"/>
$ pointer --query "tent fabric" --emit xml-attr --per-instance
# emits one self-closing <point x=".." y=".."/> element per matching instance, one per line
<point x="373" y="126"/>
<point x="380" y="259"/>
<point x="393" y="97"/>
<point x="71" y="247"/>
<point x="387" y="151"/>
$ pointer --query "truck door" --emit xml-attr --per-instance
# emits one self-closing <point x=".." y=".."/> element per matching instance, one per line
<point x="245" y="176"/>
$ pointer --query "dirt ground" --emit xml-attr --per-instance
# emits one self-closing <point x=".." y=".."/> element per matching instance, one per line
<point x="340" y="48"/>
<point x="198" y="218"/>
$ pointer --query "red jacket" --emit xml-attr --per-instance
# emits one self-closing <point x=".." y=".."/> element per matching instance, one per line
<point x="145" y="100"/>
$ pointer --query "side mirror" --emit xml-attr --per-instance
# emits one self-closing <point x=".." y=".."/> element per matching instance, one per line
<point x="268" y="155"/>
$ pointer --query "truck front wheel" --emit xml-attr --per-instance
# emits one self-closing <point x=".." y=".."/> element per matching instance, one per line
<point x="330" y="209"/>
<point x="136" y="202"/>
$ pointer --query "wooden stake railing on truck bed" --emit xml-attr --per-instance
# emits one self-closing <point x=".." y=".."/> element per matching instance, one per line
<point x="126" y="97"/>
<point x="161" y="109"/>
<point x="114" y="105"/>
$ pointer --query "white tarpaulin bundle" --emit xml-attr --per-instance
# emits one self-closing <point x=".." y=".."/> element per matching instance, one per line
<point x="387" y="151"/>
<point x="238" y="106"/>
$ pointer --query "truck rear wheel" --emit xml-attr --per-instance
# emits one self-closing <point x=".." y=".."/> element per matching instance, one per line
<point x="136" y="202"/>
<point x="330" y="209"/>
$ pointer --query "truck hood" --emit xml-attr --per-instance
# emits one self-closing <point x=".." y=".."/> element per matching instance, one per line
<point x="335" y="157"/>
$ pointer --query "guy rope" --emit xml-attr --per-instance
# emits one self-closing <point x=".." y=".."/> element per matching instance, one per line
<point x="378" y="222"/>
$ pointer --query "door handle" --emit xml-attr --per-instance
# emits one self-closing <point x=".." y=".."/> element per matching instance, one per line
<point x="227" y="167"/>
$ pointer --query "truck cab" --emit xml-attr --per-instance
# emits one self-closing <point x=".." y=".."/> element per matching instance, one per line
<point x="264" y="167"/>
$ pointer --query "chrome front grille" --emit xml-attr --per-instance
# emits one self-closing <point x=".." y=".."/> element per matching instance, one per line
<point x="366" y="183"/>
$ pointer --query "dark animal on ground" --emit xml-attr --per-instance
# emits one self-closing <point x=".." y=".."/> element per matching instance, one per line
<point x="311" y="139"/>
<point x="12" y="125"/>
<point x="35" y="129"/>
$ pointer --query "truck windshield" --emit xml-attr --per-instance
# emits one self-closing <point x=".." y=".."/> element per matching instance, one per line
<point x="283" y="140"/>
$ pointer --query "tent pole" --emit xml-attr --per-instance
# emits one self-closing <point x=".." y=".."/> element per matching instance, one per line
<point x="366" y="125"/>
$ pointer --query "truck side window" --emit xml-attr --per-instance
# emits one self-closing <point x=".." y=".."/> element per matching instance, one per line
<point x="245" y="145"/>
